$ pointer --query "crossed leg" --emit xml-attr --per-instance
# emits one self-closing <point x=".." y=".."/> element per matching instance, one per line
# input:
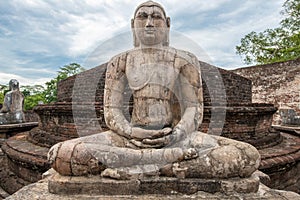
<point x="216" y="157"/>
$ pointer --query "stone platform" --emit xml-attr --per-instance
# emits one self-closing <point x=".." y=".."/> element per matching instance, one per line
<point x="96" y="185"/>
<point x="40" y="190"/>
<point x="26" y="160"/>
<point x="8" y="130"/>
<point x="3" y="193"/>
<point x="23" y="163"/>
<point x="282" y="162"/>
<point x="294" y="130"/>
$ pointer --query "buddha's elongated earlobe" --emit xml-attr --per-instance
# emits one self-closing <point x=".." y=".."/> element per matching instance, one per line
<point x="136" y="42"/>
<point x="166" y="41"/>
<point x="168" y="21"/>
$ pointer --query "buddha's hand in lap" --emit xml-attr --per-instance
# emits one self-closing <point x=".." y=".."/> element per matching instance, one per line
<point x="144" y="138"/>
<point x="140" y="133"/>
<point x="164" y="137"/>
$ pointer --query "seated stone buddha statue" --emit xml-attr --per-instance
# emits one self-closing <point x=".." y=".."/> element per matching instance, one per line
<point x="162" y="136"/>
<point x="12" y="110"/>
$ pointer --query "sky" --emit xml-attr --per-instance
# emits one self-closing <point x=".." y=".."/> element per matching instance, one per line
<point x="37" y="37"/>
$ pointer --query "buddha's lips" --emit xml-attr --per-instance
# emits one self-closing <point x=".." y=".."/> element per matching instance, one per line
<point x="150" y="30"/>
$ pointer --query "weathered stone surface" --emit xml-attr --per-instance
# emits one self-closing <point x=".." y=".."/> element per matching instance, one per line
<point x="3" y="164"/>
<point x="166" y="88"/>
<point x="282" y="162"/>
<point x="289" y="117"/>
<point x="91" y="185"/>
<point x="12" y="109"/>
<point x="9" y="182"/>
<point x="8" y="130"/>
<point x="3" y="194"/>
<point x="97" y="185"/>
<point x="26" y="160"/>
<point x="276" y="83"/>
<point x="39" y="190"/>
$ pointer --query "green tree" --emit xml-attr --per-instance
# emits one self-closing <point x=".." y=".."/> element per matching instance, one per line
<point x="34" y="95"/>
<point x="64" y="72"/>
<point x="274" y="45"/>
<point x="3" y="90"/>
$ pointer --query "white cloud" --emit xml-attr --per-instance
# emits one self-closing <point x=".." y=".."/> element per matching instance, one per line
<point x="46" y="35"/>
<point x="6" y="77"/>
<point x="220" y="38"/>
<point x="91" y="30"/>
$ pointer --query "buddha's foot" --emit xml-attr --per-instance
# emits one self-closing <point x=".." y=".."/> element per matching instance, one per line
<point x="179" y="172"/>
<point x="133" y="172"/>
<point x="115" y="174"/>
<point x="52" y="154"/>
<point x="190" y="153"/>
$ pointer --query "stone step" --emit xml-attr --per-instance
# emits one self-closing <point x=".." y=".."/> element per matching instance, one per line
<point x="8" y="130"/>
<point x="27" y="160"/>
<point x="288" y="151"/>
<point x="3" y="193"/>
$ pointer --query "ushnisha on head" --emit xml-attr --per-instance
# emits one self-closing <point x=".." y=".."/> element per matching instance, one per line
<point x="13" y="84"/>
<point x="150" y="25"/>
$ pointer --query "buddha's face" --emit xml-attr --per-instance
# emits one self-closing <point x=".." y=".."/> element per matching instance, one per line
<point x="150" y="25"/>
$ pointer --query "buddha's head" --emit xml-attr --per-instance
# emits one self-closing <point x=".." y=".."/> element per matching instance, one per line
<point x="150" y="25"/>
<point x="13" y="84"/>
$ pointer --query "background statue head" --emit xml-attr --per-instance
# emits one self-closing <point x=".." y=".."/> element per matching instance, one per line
<point x="13" y="84"/>
<point x="150" y="25"/>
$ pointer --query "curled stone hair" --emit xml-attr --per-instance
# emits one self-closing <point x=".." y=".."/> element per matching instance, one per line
<point x="136" y="41"/>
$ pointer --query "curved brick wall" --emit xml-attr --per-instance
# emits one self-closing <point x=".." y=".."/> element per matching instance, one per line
<point x="238" y="88"/>
<point x="276" y="83"/>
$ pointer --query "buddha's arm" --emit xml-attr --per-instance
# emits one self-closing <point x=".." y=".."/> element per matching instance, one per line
<point x="191" y="98"/>
<point x="113" y="97"/>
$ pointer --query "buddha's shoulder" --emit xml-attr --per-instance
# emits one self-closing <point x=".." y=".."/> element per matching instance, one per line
<point x="185" y="56"/>
<point x="118" y="57"/>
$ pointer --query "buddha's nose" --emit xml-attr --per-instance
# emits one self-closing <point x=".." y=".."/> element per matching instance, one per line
<point x="149" y="22"/>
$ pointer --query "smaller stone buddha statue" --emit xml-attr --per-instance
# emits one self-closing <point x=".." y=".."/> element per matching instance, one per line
<point x="12" y="110"/>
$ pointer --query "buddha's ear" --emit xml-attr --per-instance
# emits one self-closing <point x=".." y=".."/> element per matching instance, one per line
<point x="168" y="22"/>
<point x="136" y="42"/>
<point x="166" y="39"/>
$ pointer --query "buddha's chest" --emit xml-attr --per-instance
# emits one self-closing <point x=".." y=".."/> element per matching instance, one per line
<point x="142" y="72"/>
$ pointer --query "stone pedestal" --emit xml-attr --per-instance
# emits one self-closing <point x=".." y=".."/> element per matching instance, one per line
<point x="40" y="190"/>
<point x="96" y="185"/>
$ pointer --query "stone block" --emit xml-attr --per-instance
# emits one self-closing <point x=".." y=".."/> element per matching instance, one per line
<point x="91" y="185"/>
<point x="96" y="185"/>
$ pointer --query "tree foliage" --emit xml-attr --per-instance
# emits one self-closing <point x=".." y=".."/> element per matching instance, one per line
<point x="3" y="90"/>
<point x="34" y="95"/>
<point x="274" y="45"/>
<point x="64" y="72"/>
